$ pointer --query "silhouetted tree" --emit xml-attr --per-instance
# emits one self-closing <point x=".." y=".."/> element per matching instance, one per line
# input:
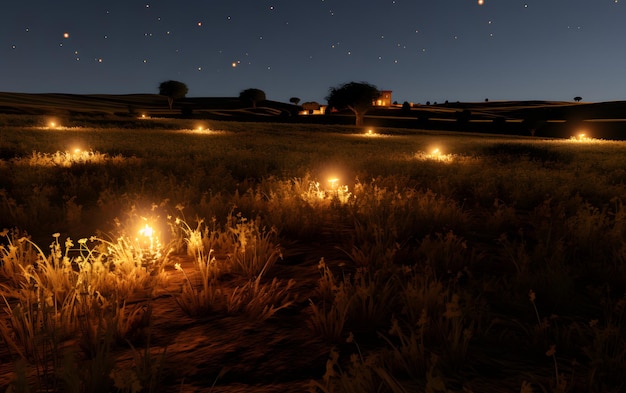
<point x="406" y="107"/>
<point x="173" y="90"/>
<point x="578" y="99"/>
<point x="355" y="96"/>
<point x="311" y="106"/>
<point x="252" y="95"/>
<point x="533" y="122"/>
<point x="294" y="100"/>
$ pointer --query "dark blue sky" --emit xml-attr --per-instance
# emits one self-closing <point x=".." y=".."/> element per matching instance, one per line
<point x="422" y="50"/>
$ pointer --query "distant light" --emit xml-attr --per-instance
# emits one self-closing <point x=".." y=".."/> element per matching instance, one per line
<point x="436" y="152"/>
<point x="234" y="64"/>
<point x="481" y="2"/>
<point x="66" y="35"/>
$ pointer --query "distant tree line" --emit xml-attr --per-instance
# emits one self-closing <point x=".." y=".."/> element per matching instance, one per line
<point x="357" y="97"/>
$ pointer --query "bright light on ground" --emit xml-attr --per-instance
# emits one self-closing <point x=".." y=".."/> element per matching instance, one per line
<point x="146" y="231"/>
<point x="369" y="133"/>
<point x="436" y="154"/>
<point x="583" y="137"/>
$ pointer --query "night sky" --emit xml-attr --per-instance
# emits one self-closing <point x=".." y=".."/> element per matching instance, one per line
<point x="457" y="50"/>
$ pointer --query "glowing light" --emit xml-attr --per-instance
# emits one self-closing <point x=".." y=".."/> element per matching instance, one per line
<point x="66" y="35"/>
<point x="481" y="2"/>
<point x="370" y="132"/>
<point x="582" y="137"/>
<point x="146" y="231"/>
<point x="234" y="64"/>
<point x="333" y="182"/>
<point x="436" y="154"/>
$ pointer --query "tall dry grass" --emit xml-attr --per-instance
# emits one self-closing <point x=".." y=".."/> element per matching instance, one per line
<point x="428" y="260"/>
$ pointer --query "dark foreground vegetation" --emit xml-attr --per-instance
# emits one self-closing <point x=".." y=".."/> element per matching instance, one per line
<point x="188" y="256"/>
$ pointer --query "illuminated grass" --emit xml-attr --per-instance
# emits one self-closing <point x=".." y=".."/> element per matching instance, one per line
<point x="428" y="256"/>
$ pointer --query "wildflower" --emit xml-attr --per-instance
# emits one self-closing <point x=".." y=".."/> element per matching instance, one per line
<point x="82" y="241"/>
<point x="350" y="338"/>
<point x="395" y="328"/>
<point x="526" y="387"/>
<point x="551" y="351"/>
<point x="178" y="267"/>
<point x="531" y="295"/>
<point x="452" y="308"/>
<point x="56" y="235"/>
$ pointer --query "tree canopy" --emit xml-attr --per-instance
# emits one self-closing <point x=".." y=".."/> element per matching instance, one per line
<point x="355" y="96"/>
<point x="252" y="95"/>
<point x="173" y="90"/>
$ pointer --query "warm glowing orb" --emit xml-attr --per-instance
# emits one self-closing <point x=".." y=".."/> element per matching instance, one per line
<point x="146" y="231"/>
<point x="66" y="35"/>
<point x="481" y="2"/>
<point x="333" y="182"/>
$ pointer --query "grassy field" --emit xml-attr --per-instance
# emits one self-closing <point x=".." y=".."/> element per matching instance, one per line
<point x="187" y="256"/>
